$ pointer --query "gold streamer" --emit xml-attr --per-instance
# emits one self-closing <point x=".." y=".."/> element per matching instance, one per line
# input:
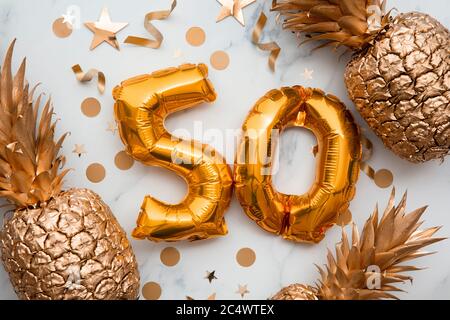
<point x="269" y="46"/>
<point x="88" y="76"/>
<point x="365" y="167"/>
<point x="156" y="34"/>
<point x="383" y="178"/>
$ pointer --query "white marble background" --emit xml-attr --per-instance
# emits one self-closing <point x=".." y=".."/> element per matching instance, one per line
<point x="278" y="262"/>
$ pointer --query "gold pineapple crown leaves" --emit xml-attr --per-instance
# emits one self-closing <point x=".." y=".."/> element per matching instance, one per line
<point x="372" y="264"/>
<point x="378" y="253"/>
<point x="352" y="23"/>
<point x="29" y="160"/>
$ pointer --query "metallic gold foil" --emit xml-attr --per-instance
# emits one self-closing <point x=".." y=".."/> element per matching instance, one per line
<point x="269" y="46"/>
<point x="88" y="76"/>
<point x="142" y="104"/>
<point x="155" y="33"/>
<point x="105" y="30"/>
<point x="306" y="217"/>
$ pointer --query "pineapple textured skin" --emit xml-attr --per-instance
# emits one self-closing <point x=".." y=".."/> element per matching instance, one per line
<point x="69" y="248"/>
<point x="401" y="86"/>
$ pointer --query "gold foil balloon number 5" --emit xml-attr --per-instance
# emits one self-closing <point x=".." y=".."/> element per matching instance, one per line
<point x="305" y="217"/>
<point x="142" y="104"/>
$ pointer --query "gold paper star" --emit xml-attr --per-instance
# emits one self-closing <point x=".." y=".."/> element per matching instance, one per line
<point x="307" y="74"/>
<point x="243" y="290"/>
<point x="233" y="8"/>
<point x="112" y="127"/>
<point x="78" y="149"/>
<point x="104" y="30"/>
<point x="211" y="276"/>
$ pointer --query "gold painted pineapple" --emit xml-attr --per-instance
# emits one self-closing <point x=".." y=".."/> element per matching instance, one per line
<point x="371" y="265"/>
<point x="399" y="76"/>
<point x="57" y="244"/>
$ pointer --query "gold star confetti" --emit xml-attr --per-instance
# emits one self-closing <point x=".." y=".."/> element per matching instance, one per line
<point x="104" y="30"/>
<point x="308" y="74"/>
<point x="112" y="127"/>
<point x="233" y="8"/>
<point x="69" y="18"/>
<point x="79" y="149"/>
<point x="212" y="297"/>
<point x="211" y="276"/>
<point x="243" y="290"/>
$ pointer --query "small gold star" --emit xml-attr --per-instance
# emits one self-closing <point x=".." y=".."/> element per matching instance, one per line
<point x="78" y="149"/>
<point x="243" y="290"/>
<point x="233" y="8"/>
<point x="308" y="74"/>
<point x="104" y="30"/>
<point x="112" y="127"/>
<point x="210" y="276"/>
<point x="212" y="297"/>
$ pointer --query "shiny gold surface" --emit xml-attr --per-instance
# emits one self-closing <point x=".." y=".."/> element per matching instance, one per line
<point x="401" y="86"/>
<point x="305" y="217"/>
<point x="105" y="30"/>
<point x="142" y="104"/>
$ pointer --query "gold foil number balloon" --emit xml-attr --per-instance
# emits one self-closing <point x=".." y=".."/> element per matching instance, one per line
<point x="305" y="217"/>
<point x="142" y="104"/>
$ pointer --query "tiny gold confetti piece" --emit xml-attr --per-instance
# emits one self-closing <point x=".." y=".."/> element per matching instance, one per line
<point x="242" y="290"/>
<point x="151" y="291"/>
<point x="61" y="28"/>
<point x="79" y="149"/>
<point x="219" y="60"/>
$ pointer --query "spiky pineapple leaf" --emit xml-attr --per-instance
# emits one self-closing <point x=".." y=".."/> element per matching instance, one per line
<point x="29" y="160"/>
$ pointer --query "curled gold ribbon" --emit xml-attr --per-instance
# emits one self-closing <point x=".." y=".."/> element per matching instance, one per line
<point x="155" y="33"/>
<point x="269" y="46"/>
<point x="88" y="76"/>
<point x="365" y="167"/>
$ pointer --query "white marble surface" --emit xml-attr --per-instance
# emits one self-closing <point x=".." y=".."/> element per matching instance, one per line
<point x="278" y="262"/>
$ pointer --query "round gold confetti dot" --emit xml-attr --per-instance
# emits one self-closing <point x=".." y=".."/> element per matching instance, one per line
<point x="344" y="218"/>
<point x="383" y="178"/>
<point x="61" y="29"/>
<point x="123" y="161"/>
<point x="90" y="107"/>
<point x="151" y="291"/>
<point x="246" y="257"/>
<point x="95" y="172"/>
<point x="170" y="256"/>
<point x="195" y="36"/>
<point x="220" y="60"/>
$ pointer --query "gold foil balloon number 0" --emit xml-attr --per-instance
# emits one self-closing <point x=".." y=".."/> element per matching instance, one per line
<point x="305" y="217"/>
<point x="142" y="104"/>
